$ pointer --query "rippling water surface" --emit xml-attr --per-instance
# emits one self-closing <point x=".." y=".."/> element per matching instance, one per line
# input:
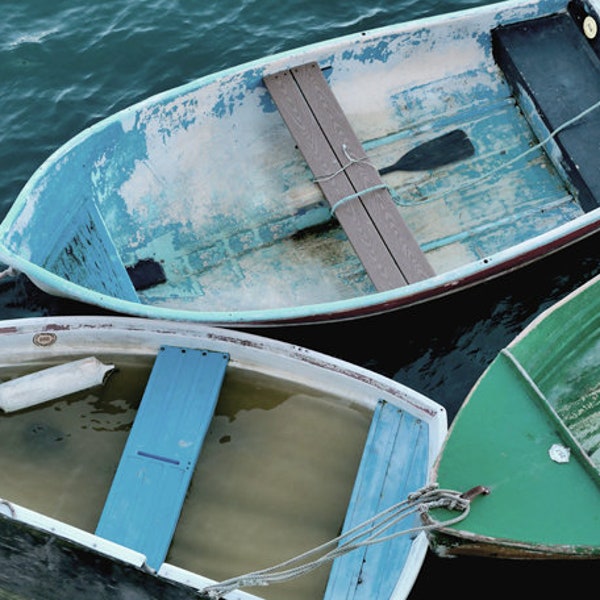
<point x="66" y="64"/>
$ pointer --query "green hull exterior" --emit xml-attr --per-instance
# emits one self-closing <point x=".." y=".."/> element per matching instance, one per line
<point x="501" y="437"/>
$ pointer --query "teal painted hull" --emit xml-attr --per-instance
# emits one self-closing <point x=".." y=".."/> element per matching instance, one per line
<point x="529" y="431"/>
<point x="206" y="183"/>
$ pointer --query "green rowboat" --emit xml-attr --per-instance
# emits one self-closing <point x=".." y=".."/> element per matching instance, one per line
<point x="529" y="435"/>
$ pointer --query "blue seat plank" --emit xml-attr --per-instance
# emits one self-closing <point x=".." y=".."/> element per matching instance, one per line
<point x="145" y="500"/>
<point x="394" y="464"/>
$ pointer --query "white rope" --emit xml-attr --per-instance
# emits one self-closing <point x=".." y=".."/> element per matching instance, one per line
<point x="520" y="156"/>
<point x="373" y="531"/>
<point x="365" y="160"/>
<point x="374" y="188"/>
<point x="351" y="161"/>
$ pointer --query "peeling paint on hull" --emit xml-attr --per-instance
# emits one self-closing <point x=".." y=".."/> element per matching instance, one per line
<point x="206" y="181"/>
<point x="540" y="392"/>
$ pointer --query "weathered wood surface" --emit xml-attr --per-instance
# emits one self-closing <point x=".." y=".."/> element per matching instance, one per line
<point x="394" y="463"/>
<point x="151" y="482"/>
<point x="375" y="228"/>
<point x="82" y="251"/>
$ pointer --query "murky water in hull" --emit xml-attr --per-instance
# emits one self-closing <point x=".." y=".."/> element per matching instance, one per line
<point x="60" y="458"/>
<point x="273" y="479"/>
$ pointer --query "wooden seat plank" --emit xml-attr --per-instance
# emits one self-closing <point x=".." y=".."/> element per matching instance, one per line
<point x="390" y="254"/>
<point x="363" y="176"/>
<point x="320" y="157"/>
<point x="147" y="493"/>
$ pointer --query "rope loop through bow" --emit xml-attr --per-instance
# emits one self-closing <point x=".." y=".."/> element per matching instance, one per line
<point x="380" y="528"/>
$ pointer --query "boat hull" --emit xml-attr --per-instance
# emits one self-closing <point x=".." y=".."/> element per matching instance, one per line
<point x="527" y="433"/>
<point x="281" y="408"/>
<point x="203" y="185"/>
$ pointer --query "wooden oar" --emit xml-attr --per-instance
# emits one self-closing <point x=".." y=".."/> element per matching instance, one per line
<point x="438" y="152"/>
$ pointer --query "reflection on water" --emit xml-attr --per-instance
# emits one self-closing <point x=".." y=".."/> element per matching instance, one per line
<point x="273" y="479"/>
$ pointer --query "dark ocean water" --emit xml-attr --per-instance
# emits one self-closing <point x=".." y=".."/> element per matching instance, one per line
<point x="66" y="64"/>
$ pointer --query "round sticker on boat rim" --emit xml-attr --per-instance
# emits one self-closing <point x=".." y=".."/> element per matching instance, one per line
<point x="590" y="27"/>
<point x="44" y="339"/>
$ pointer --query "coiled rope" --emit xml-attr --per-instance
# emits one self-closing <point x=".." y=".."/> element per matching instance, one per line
<point x="375" y="530"/>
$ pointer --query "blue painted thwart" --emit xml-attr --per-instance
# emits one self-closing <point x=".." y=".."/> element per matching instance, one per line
<point x="394" y="463"/>
<point x="157" y="464"/>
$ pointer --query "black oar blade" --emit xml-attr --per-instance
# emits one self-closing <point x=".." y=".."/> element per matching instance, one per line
<point x="438" y="152"/>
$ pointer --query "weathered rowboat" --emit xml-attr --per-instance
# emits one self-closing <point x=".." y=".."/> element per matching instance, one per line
<point x="272" y="194"/>
<point x="528" y="439"/>
<point x="103" y="489"/>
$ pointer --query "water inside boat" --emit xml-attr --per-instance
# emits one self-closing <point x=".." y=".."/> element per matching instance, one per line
<point x="273" y="479"/>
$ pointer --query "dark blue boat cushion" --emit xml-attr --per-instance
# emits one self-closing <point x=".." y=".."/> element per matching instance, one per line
<point x="551" y="65"/>
<point x="146" y="273"/>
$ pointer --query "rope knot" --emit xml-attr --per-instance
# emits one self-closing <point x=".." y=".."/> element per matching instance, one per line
<point x="414" y="496"/>
<point x="377" y="529"/>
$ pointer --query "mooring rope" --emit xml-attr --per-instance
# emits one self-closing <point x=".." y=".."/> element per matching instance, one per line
<point x="365" y="160"/>
<point x="374" y="188"/>
<point x="511" y="161"/>
<point x="375" y="530"/>
<point x="352" y="160"/>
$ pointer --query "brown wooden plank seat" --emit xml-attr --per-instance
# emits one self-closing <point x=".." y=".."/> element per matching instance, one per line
<point x="362" y="203"/>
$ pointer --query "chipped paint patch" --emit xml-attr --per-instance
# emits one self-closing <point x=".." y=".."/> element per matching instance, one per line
<point x="207" y="180"/>
<point x="559" y="453"/>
